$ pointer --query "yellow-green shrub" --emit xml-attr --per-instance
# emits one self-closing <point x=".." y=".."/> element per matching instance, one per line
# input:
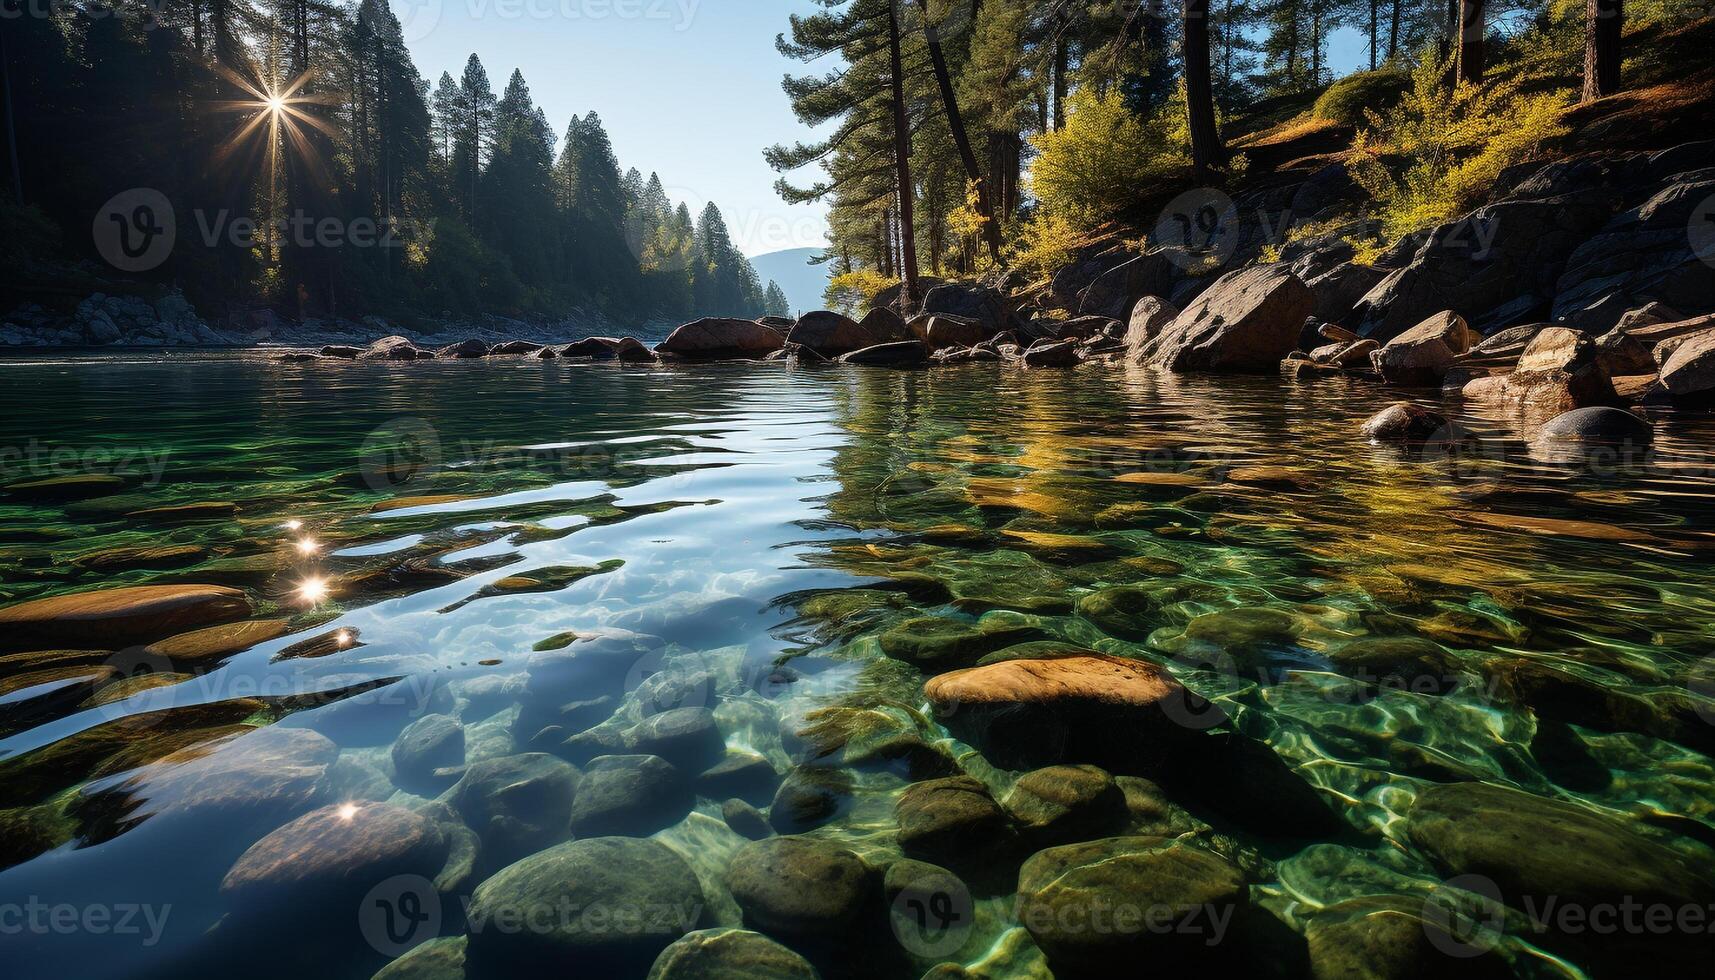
<point x="853" y="293"/>
<point x="1439" y="150"/>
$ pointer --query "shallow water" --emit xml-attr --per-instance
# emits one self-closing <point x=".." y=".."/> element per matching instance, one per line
<point x="759" y="528"/>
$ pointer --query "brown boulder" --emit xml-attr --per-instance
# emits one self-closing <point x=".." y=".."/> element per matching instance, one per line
<point x="885" y="326"/>
<point x="395" y="349"/>
<point x="1247" y="321"/>
<point x="1423" y="354"/>
<point x="1116" y="713"/>
<point x="714" y="339"/>
<point x="1062" y="354"/>
<point x="1149" y="317"/>
<point x="1404" y="422"/>
<point x="1690" y="371"/>
<point x="1560" y="371"/>
<point x="830" y="334"/>
<point x="333" y="856"/>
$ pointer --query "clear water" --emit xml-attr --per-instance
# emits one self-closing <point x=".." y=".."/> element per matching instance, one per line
<point x="736" y="514"/>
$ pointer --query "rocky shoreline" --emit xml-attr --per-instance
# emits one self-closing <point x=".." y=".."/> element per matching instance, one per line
<point x="1582" y="286"/>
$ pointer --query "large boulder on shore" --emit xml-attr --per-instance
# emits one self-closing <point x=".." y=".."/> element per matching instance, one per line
<point x="980" y="303"/>
<point x="1123" y="715"/>
<point x="1247" y="321"/>
<point x="936" y="331"/>
<point x="830" y="334"/>
<point x="1424" y="354"/>
<point x="1690" y="371"/>
<point x="1113" y="293"/>
<point x="395" y="349"/>
<point x="715" y="339"/>
<point x="885" y="325"/>
<point x="1642" y="255"/>
<point x="1559" y="371"/>
<point x="1149" y="316"/>
<point x="1502" y="255"/>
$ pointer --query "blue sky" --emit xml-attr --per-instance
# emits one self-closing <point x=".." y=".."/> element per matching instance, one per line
<point x="687" y="88"/>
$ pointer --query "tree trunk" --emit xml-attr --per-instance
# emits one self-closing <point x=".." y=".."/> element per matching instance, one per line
<point x="1604" y="23"/>
<point x="11" y="122"/>
<point x="1393" y="31"/>
<point x="1062" y="57"/>
<point x="1207" y="152"/>
<point x="909" y="296"/>
<point x="1375" y="33"/>
<point x="961" y="138"/>
<point x="1472" y="27"/>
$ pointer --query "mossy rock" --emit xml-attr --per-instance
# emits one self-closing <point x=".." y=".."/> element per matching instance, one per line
<point x="1406" y="663"/>
<point x="953" y="822"/>
<point x="937" y="644"/>
<point x="1067" y="804"/>
<point x="1037" y="650"/>
<point x="1136" y="884"/>
<point x="1129" y="612"/>
<point x="799" y="887"/>
<point x="729" y="954"/>
<point x="607" y="880"/>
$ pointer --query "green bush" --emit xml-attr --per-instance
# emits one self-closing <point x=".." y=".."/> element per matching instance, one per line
<point x="1347" y="100"/>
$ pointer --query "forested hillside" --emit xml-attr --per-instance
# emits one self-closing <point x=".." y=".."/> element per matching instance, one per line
<point x="457" y="197"/>
<point x="971" y="137"/>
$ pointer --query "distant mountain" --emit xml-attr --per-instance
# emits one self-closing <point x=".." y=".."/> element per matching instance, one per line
<point x="803" y="283"/>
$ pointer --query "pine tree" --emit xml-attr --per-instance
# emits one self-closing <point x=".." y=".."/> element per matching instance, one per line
<point x="475" y="136"/>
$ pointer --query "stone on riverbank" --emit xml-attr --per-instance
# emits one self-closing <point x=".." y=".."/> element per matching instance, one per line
<point x="395" y="349"/>
<point x="1603" y="425"/>
<point x="1690" y="371"/>
<point x="1558" y="371"/>
<point x="1424" y="354"/>
<point x="830" y="334"/>
<point x="1149" y="317"/>
<point x="1246" y="322"/>
<point x="715" y="339"/>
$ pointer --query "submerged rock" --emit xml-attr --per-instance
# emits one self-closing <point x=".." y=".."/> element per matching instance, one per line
<point x="730" y="954"/>
<point x="1103" y="710"/>
<point x="1066" y="804"/>
<point x="934" y="643"/>
<point x="1536" y="849"/>
<point x="438" y="959"/>
<point x="517" y="805"/>
<point x="630" y="796"/>
<point x="1108" y="905"/>
<point x="809" y="797"/>
<point x="954" y="822"/>
<point x="745" y="820"/>
<point x="329" y="859"/>
<point x="1401" y="663"/>
<point x="1130" y="612"/>
<point x="746" y="775"/>
<point x="798" y="887"/>
<point x="628" y="900"/>
<point x="1405" y="422"/>
<point x="1611" y="426"/>
<point x="113" y="618"/>
<point x="431" y="743"/>
<point x="1388" y="938"/>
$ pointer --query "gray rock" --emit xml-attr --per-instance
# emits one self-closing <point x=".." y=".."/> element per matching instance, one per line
<point x="721" y="339"/>
<point x="1600" y="425"/>
<point x="630" y="796"/>
<point x="730" y="954"/>
<point x="1247" y="321"/>
<point x="517" y="805"/>
<point x="629" y="900"/>
<point x="798" y="887"/>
